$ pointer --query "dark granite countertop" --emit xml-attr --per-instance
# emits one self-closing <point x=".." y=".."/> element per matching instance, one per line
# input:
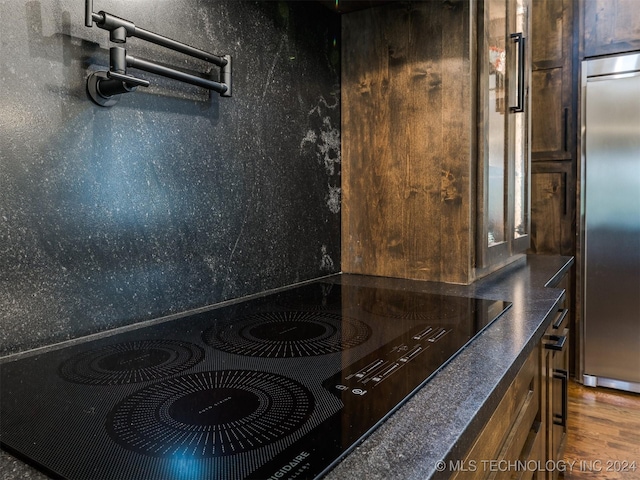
<point x="441" y="420"/>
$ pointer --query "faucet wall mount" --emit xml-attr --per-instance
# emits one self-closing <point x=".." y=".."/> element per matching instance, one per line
<point x="105" y="88"/>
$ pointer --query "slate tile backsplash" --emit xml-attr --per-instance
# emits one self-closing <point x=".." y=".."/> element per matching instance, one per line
<point x="172" y="199"/>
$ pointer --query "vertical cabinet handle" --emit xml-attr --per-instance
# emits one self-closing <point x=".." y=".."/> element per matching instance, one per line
<point x="563" y="376"/>
<point x="565" y="127"/>
<point x="565" y="187"/>
<point x="519" y="39"/>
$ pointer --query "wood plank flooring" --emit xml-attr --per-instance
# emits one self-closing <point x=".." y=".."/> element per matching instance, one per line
<point x="603" y="433"/>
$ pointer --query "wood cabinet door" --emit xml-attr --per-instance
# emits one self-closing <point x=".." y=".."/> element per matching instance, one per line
<point x="552" y="208"/>
<point x="553" y="120"/>
<point x="552" y="116"/>
<point x="611" y="26"/>
<point x="551" y="30"/>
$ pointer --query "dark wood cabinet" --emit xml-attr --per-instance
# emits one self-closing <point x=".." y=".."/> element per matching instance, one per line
<point x="514" y="432"/>
<point x="553" y="118"/>
<point x="549" y="45"/>
<point x="610" y="26"/>
<point x="553" y="207"/>
<point x="529" y="424"/>
<point x="552" y="124"/>
<point x="552" y="88"/>
<point x="557" y="343"/>
<point x="407" y="133"/>
<point x="418" y="81"/>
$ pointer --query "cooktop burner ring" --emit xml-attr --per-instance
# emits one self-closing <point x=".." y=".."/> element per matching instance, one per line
<point x="210" y="414"/>
<point x="131" y="362"/>
<point x="287" y="334"/>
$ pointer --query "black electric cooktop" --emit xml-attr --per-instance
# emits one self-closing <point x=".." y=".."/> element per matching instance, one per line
<point x="278" y="387"/>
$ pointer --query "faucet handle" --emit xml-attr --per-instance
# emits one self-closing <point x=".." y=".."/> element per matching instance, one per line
<point x="88" y="13"/>
<point x="129" y="79"/>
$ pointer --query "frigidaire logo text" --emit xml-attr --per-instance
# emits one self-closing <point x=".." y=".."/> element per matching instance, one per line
<point x="289" y="466"/>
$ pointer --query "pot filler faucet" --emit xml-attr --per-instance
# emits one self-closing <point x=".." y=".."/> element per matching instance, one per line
<point x="105" y="87"/>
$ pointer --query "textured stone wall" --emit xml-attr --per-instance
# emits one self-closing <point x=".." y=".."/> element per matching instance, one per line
<point x="172" y="199"/>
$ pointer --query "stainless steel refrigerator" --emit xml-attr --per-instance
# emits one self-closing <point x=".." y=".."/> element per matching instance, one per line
<point x="611" y="224"/>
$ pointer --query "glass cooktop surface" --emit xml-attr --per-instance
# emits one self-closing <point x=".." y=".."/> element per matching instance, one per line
<point x="282" y="386"/>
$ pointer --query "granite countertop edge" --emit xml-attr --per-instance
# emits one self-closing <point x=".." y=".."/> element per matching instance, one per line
<point x="439" y="422"/>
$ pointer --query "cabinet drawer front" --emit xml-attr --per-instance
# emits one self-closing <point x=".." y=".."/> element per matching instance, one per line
<point x="507" y="430"/>
<point x="534" y="452"/>
<point x="516" y="444"/>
